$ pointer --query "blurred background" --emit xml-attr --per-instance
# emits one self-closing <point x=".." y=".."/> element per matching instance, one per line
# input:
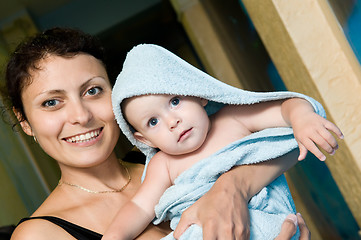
<point x="231" y="40"/>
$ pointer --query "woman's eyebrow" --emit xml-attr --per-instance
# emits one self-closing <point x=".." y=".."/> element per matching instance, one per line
<point x="90" y="80"/>
<point x="49" y="92"/>
<point x="86" y="82"/>
<point x="61" y="91"/>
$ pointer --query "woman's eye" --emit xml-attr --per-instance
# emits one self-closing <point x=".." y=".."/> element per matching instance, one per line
<point x="152" y="122"/>
<point x="50" y="103"/>
<point x="93" y="91"/>
<point x="175" y="101"/>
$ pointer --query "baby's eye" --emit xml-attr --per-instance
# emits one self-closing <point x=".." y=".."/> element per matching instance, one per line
<point x="152" y="122"/>
<point x="93" y="91"/>
<point x="50" y="103"/>
<point x="175" y="101"/>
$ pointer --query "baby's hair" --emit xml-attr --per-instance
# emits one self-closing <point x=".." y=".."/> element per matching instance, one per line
<point x="28" y="55"/>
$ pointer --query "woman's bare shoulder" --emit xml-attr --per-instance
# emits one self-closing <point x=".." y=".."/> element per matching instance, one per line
<point x="39" y="229"/>
<point x="135" y="168"/>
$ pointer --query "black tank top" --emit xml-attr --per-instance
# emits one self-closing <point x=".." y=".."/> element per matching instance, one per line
<point x="76" y="231"/>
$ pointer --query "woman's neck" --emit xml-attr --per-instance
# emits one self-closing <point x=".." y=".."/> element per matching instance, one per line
<point x="102" y="176"/>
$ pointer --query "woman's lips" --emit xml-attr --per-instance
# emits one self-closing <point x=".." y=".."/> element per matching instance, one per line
<point x="84" y="137"/>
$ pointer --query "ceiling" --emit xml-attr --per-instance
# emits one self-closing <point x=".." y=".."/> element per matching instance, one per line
<point x="120" y="24"/>
<point x="35" y="7"/>
<point x="92" y="16"/>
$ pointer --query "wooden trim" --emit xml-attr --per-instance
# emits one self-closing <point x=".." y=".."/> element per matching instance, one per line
<point x="223" y="43"/>
<point x="312" y="55"/>
<point x="206" y="41"/>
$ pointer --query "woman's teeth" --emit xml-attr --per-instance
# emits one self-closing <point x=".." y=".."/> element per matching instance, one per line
<point x="84" y="137"/>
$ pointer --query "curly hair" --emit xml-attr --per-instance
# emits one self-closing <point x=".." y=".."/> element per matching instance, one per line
<point x="64" y="42"/>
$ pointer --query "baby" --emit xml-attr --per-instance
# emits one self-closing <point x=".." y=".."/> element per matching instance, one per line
<point x="182" y="135"/>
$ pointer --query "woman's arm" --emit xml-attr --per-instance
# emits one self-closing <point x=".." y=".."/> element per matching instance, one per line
<point x="223" y="212"/>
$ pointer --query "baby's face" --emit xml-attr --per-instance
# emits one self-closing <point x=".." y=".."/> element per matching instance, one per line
<point x="174" y="124"/>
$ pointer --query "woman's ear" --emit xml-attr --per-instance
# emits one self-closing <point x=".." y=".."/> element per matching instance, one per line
<point x="141" y="138"/>
<point x="23" y="123"/>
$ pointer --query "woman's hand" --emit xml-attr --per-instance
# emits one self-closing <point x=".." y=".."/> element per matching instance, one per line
<point x="289" y="228"/>
<point x="222" y="212"/>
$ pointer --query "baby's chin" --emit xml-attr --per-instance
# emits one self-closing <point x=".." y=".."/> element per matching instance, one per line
<point x="183" y="151"/>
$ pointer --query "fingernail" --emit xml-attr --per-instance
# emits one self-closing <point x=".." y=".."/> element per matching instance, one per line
<point x="299" y="214"/>
<point x="293" y="218"/>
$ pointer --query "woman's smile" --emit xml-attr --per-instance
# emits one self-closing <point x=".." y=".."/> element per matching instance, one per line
<point x="88" y="137"/>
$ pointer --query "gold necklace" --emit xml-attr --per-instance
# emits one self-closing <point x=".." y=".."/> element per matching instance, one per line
<point x="106" y="191"/>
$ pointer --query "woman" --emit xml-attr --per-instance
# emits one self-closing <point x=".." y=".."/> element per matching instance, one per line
<point x="60" y="92"/>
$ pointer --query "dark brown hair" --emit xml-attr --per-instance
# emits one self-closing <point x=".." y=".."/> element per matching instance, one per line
<point x="64" y="42"/>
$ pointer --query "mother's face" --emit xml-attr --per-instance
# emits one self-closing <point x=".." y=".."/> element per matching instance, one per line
<point x="68" y="108"/>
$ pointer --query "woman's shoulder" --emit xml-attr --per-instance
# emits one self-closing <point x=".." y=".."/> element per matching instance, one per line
<point x="39" y="229"/>
<point x="136" y="168"/>
<point x="38" y="225"/>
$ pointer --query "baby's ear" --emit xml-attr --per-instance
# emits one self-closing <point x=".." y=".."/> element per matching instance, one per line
<point x="204" y="102"/>
<point x="141" y="138"/>
<point x="23" y="123"/>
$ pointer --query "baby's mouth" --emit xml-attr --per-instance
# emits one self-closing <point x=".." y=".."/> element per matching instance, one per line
<point x="85" y="137"/>
<point x="184" y="133"/>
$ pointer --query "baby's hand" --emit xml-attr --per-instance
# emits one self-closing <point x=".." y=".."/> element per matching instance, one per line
<point x="313" y="131"/>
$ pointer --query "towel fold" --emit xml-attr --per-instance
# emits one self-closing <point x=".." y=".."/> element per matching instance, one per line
<point x="268" y="208"/>
<point x="150" y="69"/>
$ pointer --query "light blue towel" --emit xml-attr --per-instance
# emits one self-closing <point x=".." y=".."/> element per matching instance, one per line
<point x="150" y="69"/>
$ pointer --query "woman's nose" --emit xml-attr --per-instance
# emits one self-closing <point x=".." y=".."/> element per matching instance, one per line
<point x="79" y="113"/>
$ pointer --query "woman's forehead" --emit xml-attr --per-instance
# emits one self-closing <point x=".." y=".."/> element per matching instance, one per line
<point x="55" y="71"/>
